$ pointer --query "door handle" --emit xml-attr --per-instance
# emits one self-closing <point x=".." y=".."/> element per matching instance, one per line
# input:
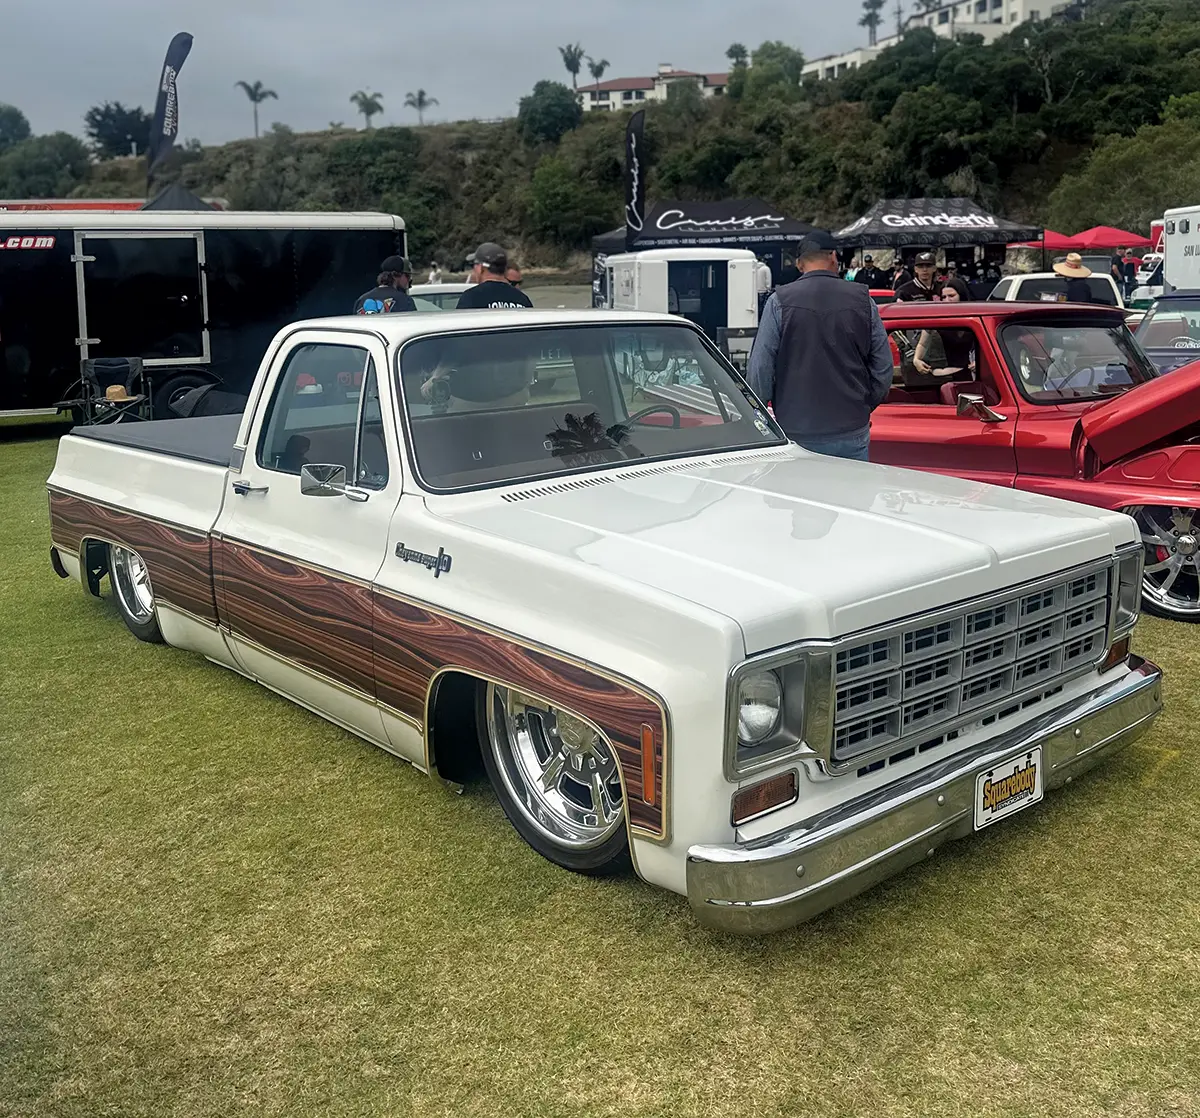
<point x="241" y="487"/>
<point x="358" y="495"/>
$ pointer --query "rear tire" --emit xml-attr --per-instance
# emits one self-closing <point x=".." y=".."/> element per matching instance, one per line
<point x="135" y="596"/>
<point x="557" y="780"/>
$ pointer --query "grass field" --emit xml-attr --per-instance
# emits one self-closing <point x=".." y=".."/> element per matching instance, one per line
<point x="214" y="903"/>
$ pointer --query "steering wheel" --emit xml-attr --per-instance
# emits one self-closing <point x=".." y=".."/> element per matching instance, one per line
<point x="1184" y="341"/>
<point x="669" y="408"/>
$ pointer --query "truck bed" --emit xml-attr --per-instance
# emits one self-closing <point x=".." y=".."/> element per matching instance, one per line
<point x="207" y="439"/>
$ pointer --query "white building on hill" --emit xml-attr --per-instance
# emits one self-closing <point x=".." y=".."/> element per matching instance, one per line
<point x="628" y="93"/>
<point x="989" y="18"/>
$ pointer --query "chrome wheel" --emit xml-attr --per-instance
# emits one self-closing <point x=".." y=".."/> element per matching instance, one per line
<point x="558" y="772"/>
<point x="1171" y="577"/>
<point x="131" y="581"/>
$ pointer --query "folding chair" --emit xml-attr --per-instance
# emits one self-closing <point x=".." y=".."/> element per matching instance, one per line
<point x="113" y="389"/>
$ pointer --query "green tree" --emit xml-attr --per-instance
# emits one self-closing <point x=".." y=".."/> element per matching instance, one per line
<point x="563" y="208"/>
<point x="1158" y="169"/>
<point x="419" y="101"/>
<point x="572" y="58"/>
<point x="115" y="130"/>
<point x="872" y="18"/>
<point x="13" y="126"/>
<point x="775" y="71"/>
<point x="548" y="113"/>
<point x="369" y="104"/>
<point x="597" y="68"/>
<point x="257" y="94"/>
<point x="737" y="54"/>
<point x="43" y="167"/>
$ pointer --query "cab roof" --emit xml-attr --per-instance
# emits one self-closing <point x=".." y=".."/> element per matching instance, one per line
<point x="397" y="329"/>
<point x="994" y="309"/>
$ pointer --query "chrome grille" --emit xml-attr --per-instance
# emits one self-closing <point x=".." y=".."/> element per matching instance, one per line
<point x="907" y="684"/>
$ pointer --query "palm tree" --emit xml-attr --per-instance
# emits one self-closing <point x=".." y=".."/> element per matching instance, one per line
<point x="419" y="102"/>
<point x="369" y="104"/>
<point x="597" y="68"/>
<point x="872" y="19"/>
<point x="737" y="54"/>
<point x="257" y="95"/>
<point x="572" y="56"/>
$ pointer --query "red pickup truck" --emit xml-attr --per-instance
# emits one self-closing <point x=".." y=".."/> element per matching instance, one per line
<point x="1059" y="400"/>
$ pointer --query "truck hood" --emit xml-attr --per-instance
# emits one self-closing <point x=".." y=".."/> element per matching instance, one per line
<point x="1144" y="415"/>
<point x="797" y="545"/>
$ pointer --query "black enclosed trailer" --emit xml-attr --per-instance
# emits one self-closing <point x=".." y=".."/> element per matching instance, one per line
<point x="196" y="295"/>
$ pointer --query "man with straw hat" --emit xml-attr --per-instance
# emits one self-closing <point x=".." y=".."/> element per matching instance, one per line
<point x="1076" y="274"/>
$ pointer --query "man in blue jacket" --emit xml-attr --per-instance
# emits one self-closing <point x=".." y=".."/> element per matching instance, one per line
<point x="821" y="357"/>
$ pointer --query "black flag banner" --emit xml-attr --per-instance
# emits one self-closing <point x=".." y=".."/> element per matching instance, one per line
<point x="166" y="112"/>
<point x="635" y="177"/>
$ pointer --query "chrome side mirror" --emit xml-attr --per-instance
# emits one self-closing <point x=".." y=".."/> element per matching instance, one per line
<point x="322" y="481"/>
<point x="973" y="406"/>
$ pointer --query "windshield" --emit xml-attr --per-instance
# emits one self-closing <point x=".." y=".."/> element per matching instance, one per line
<point x="490" y="407"/>
<point x="1171" y="324"/>
<point x="1056" y="361"/>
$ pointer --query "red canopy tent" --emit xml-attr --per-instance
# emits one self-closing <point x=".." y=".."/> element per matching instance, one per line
<point x="1105" y="236"/>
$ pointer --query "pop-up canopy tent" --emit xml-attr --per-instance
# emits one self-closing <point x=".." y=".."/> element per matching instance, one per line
<point x="932" y="223"/>
<point x="748" y="223"/>
<point x="1100" y="238"/>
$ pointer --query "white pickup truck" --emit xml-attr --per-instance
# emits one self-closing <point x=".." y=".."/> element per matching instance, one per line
<point x="766" y="678"/>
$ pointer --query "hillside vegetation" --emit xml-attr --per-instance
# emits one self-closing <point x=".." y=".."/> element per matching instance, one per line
<point x="1067" y="124"/>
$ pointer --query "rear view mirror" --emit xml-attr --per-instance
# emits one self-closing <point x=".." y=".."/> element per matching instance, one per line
<point x="322" y="481"/>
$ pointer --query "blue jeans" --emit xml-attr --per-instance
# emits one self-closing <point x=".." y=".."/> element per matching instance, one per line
<point x="854" y="444"/>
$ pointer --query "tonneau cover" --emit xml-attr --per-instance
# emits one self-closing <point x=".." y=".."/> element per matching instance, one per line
<point x="207" y="439"/>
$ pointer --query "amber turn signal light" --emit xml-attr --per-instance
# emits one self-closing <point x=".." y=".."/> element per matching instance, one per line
<point x="766" y="795"/>
<point x="1118" y="653"/>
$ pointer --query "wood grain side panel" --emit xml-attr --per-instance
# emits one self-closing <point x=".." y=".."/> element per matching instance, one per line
<point x="413" y="643"/>
<point x="179" y="560"/>
<point x="317" y="619"/>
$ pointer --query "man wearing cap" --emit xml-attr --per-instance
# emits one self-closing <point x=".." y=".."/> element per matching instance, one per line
<point x="390" y="293"/>
<point x="490" y="287"/>
<point x="821" y="356"/>
<point x="869" y="275"/>
<point x="922" y="289"/>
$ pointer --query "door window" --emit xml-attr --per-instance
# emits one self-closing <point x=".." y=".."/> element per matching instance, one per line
<point x="925" y="361"/>
<point x="142" y="297"/>
<point x="326" y="410"/>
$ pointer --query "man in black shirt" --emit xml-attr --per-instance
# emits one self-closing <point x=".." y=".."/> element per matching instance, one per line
<point x="491" y="288"/>
<point x="869" y="275"/>
<point x="390" y="295"/>
<point x="924" y="288"/>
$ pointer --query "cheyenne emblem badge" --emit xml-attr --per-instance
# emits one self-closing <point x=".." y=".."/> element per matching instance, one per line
<point x="439" y="563"/>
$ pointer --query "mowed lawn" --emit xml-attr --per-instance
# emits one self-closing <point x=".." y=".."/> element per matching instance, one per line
<point x="214" y="903"/>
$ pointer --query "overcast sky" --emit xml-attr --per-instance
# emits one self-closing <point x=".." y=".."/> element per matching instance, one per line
<point x="477" y="57"/>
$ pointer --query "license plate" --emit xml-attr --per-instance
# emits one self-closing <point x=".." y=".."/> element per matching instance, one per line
<point x="1008" y="788"/>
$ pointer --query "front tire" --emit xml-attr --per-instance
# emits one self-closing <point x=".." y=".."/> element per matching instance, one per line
<point x="1171" y="576"/>
<point x="557" y="780"/>
<point x="135" y="595"/>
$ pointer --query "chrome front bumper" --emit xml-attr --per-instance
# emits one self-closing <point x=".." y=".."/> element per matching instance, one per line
<point x="786" y="878"/>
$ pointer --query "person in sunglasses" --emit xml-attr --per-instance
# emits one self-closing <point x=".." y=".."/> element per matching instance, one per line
<point x="513" y="275"/>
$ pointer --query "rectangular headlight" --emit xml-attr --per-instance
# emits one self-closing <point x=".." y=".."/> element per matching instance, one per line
<point x="1127" y="594"/>
<point x="773" y="704"/>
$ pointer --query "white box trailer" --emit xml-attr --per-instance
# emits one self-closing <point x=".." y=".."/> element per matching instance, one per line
<point x="713" y="287"/>
<point x="1181" y="249"/>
